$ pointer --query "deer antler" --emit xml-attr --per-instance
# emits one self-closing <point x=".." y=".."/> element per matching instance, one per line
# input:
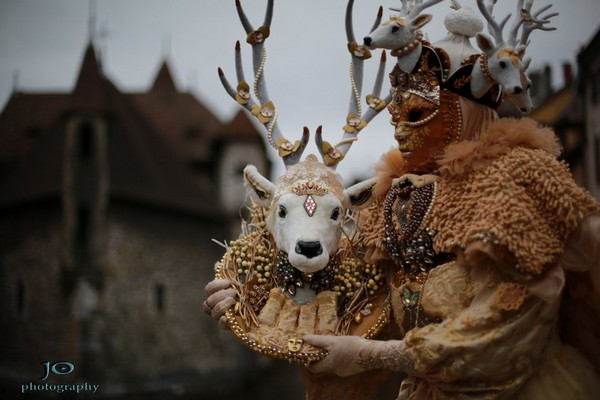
<point x="535" y="21"/>
<point x="514" y="29"/>
<point x="265" y="110"/>
<point x="356" y="119"/>
<point x="413" y="8"/>
<point x="419" y="6"/>
<point x="494" y="27"/>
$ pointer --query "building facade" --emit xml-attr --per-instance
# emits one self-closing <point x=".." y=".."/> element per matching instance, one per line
<point x="589" y="90"/>
<point x="109" y="202"/>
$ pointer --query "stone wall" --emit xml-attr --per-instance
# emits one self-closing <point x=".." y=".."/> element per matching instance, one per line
<point x="157" y="266"/>
<point x="36" y="324"/>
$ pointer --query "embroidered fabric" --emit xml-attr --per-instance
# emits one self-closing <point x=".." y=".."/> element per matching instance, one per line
<point x="448" y="289"/>
<point x="509" y="296"/>
<point x="390" y="355"/>
<point x="349" y="355"/>
<point x="580" y="311"/>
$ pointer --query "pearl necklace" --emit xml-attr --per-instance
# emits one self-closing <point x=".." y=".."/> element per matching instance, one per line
<point x="409" y="47"/>
<point x="485" y="70"/>
<point x="412" y="247"/>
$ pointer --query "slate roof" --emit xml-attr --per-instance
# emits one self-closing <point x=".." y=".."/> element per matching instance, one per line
<point x="151" y="138"/>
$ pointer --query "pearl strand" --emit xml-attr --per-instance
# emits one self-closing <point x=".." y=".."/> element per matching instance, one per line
<point x="409" y="47"/>
<point x="422" y="121"/>
<point x="485" y="70"/>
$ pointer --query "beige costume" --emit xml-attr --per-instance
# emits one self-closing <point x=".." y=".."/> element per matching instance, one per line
<point x="525" y="240"/>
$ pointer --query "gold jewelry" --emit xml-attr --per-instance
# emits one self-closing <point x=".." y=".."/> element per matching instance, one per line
<point x="485" y="70"/>
<point x="357" y="290"/>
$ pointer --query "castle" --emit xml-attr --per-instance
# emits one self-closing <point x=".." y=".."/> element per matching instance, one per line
<point x="109" y="202"/>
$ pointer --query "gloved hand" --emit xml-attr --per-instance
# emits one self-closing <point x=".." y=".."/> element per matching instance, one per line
<point x="221" y="296"/>
<point x="349" y="355"/>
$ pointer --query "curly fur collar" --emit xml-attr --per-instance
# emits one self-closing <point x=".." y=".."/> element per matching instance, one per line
<point x="460" y="158"/>
<point x="501" y="137"/>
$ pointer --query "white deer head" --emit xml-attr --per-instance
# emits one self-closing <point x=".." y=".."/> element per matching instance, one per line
<point x="306" y="209"/>
<point x="501" y="60"/>
<point x="402" y="34"/>
<point x="530" y="22"/>
<point x="522" y="100"/>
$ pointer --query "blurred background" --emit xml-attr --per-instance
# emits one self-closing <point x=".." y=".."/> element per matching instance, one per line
<point x="121" y="159"/>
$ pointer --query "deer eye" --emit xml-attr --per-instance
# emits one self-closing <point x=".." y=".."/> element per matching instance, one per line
<point x="502" y="64"/>
<point x="335" y="213"/>
<point x="395" y="28"/>
<point x="282" y="212"/>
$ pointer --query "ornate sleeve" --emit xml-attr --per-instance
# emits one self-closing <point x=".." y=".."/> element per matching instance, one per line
<point x="494" y="342"/>
<point x="580" y="311"/>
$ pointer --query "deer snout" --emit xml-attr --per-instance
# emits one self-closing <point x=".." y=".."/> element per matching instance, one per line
<point x="526" y="110"/>
<point x="367" y="40"/>
<point x="309" y="249"/>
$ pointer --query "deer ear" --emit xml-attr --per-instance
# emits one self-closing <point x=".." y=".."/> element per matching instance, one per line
<point x="361" y="194"/>
<point x="485" y="42"/>
<point x="520" y="51"/>
<point x="260" y="189"/>
<point x="420" y="21"/>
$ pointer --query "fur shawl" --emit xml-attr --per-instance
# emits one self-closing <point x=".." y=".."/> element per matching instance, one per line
<point x="467" y="156"/>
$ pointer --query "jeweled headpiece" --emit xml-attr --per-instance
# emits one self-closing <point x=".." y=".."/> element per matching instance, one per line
<point x="310" y="177"/>
<point x="424" y="82"/>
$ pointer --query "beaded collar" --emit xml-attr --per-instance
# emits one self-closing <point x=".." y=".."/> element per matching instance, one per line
<point x="408" y="207"/>
<point x="257" y="269"/>
<point x="290" y="278"/>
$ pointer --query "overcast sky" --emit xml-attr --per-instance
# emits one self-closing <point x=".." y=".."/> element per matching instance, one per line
<point x="42" y="43"/>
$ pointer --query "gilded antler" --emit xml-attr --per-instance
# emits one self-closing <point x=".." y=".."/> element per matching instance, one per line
<point x="265" y="110"/>
<point x="356" y="119"/>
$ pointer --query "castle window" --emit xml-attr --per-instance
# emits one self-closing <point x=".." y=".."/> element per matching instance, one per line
<point x="85" y="135"/>
<point x="240" y="170"/>
<point x="33" y="132"/>
<point x="159" y="297"/>
<point x="597" y="159"/>
<point x="83" y="225"/>
<point x="20" y="298"/>
<point x="594" y="86"/>
<point x="193" y="132"/>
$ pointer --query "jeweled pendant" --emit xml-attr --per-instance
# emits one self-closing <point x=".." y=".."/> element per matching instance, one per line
<point x="409" y="298"/>
<point x="310" y="205"/>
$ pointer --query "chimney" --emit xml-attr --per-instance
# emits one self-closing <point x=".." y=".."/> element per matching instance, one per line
<point x="568" y="77"/>
<point x="548" y="79"/>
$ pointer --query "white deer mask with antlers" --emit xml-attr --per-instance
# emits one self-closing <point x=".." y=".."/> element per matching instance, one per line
<point x="501" y="60"/>
<point x="306" y="204"/>
<point x="402" y="34"/>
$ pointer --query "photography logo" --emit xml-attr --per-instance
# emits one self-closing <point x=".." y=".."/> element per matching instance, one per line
<point x="58" y="368"/>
